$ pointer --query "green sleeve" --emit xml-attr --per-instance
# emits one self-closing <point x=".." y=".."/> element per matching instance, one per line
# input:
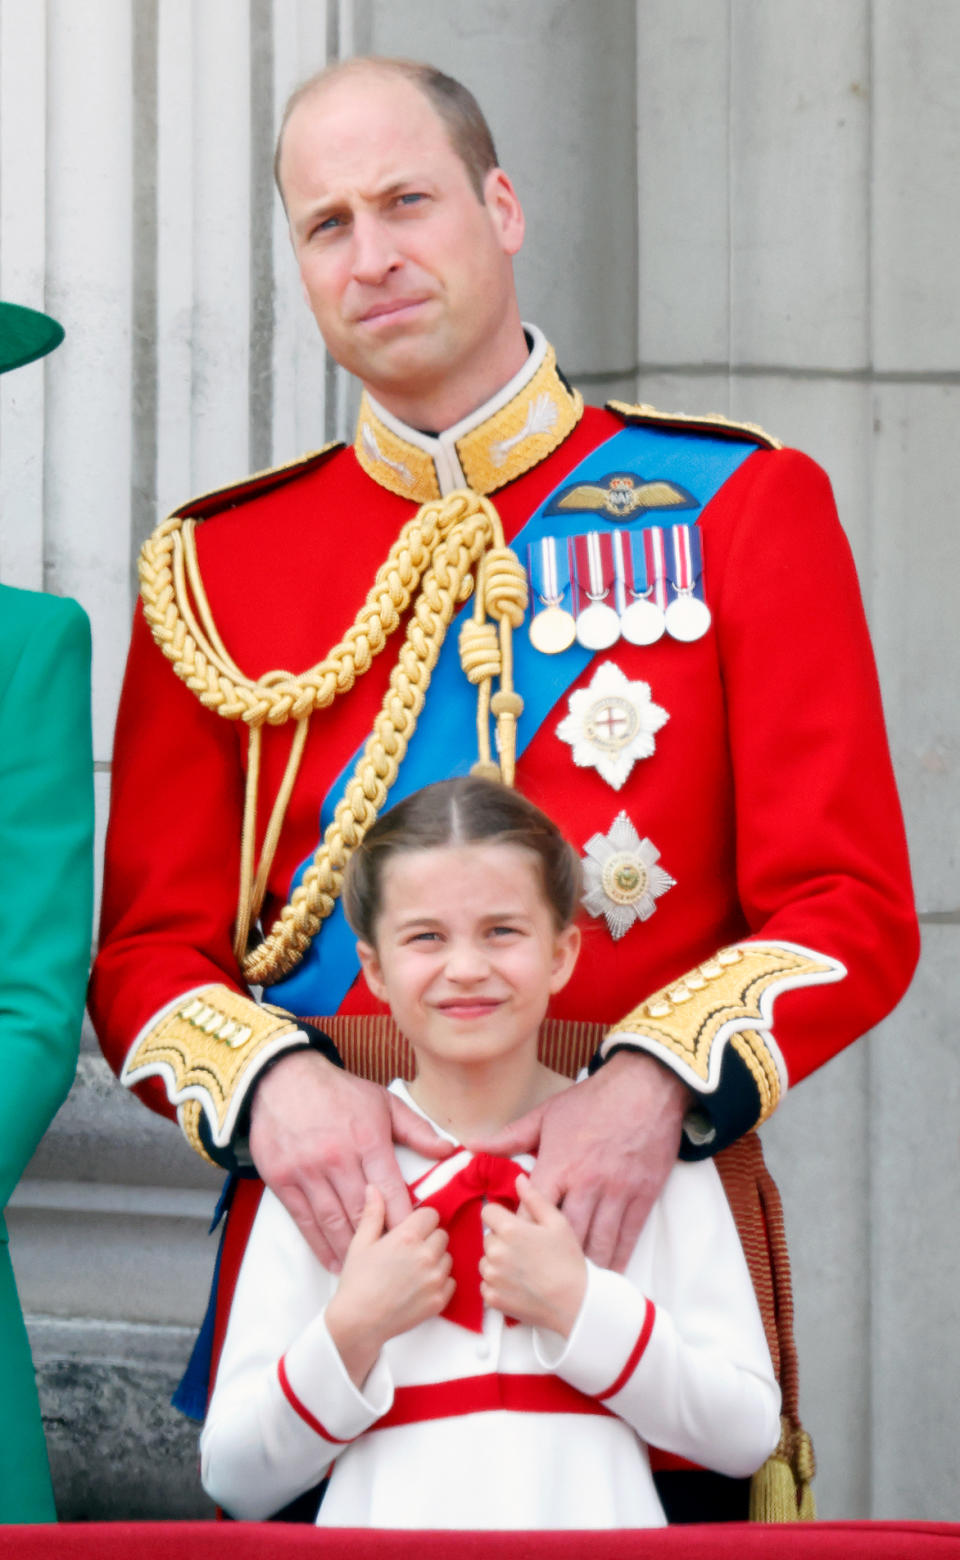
<point x="46" y="863"/>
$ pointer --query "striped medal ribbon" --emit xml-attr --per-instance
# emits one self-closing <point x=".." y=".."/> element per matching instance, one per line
<point x="642" y="621"/>
<point x="552" y="628"/>
<point x="598" y="624"/>
<point x="687" y="616"/>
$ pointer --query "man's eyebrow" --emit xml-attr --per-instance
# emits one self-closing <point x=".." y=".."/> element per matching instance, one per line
<point x="332" y="205"/>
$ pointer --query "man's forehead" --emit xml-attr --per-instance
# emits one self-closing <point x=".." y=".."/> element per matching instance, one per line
<point x="358" y="103"/>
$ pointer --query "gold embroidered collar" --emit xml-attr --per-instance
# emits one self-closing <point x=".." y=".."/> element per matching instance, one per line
<point x="508" y="435"/>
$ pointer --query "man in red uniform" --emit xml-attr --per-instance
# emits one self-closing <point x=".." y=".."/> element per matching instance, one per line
<point x="718" y="753"/>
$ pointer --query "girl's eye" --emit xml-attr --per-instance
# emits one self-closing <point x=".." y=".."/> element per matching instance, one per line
<point x="505" y="931"/>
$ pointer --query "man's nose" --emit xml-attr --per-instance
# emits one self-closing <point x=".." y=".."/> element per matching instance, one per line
<point x="374" y="251"/>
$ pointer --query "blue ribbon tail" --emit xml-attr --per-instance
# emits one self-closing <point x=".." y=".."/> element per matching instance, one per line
<point x="190" y="1397"/>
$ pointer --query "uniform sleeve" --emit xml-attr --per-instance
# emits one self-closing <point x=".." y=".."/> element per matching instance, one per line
<point x="46" y="871"/>
<point x="822" y="871"/>
<point x="167" y="998"/>
<point x="675" y="1346"/>
<point x="284" y="1406"/>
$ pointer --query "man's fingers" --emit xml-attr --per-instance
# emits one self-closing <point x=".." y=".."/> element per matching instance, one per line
<point x="337" y="1191"/>
<point x="299" y="1210"/>
<point x="634" y="1218"/>
<point x="382" y="1171"/>
<point x="604" y="1229"/>
<point x="547" y="1182"/>
<point x="578" y="1207"/>
<point x="411" y="1130"/>
<point x="520" y="1137"/>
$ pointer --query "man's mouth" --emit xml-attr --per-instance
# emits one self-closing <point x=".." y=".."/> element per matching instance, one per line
<point x="390" y="308"/>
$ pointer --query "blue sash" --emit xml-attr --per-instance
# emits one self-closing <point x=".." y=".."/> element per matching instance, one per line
<point x="444" y="742"/>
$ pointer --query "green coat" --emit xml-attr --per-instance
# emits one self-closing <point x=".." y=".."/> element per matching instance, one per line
<point x="46" y="826"/>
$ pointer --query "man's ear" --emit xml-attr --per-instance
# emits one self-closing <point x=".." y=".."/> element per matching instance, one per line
<point x="503" y="204"/>
<point x="372" y="972"/>
<point x="565" y="954"/>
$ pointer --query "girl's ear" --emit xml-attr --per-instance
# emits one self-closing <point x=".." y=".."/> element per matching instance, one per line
<point x="565" y="952"/>
<point x="373" y="974"/>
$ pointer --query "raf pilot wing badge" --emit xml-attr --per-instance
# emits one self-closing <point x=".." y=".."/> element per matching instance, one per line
<point x="621" y="495"/>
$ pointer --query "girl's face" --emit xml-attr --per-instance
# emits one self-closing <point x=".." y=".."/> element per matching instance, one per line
<point x="467" y="952"/>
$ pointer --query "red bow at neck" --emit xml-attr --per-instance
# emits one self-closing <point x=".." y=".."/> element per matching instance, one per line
<point x="487" y="1178"/>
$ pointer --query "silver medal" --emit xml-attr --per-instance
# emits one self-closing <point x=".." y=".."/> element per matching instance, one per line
<point x="687" y="618"/>
<point x="642" y="622"/>
<point x="552" y="630"/>
<point x="598" y="627"/>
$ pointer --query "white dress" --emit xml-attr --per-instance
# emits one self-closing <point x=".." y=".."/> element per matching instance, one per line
<point x="514" y="1427"/>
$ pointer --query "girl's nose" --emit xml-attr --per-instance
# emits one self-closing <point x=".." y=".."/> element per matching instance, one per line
<point x="466" y="961"/>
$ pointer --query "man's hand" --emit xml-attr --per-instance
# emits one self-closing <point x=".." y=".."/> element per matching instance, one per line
<point x="604" y="1149"/>
<point x="532" y="1265"/>
<point x="320" y="1136"/>
<point x="390" y="1283"/>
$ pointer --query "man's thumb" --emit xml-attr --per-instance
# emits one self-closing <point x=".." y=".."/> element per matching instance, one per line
<point x="520" y="1137"/>
<point x="416" y="1133"/>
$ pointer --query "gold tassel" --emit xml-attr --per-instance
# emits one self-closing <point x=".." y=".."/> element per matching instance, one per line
<point x="808" y="1504"/>
<point x="773" y="1492"/>
<point x="780" y="1491"/>
<point x="805" y="1466"/>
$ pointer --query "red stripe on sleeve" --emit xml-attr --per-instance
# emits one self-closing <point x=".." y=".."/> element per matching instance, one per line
<point x="303" y="1411"/>
<point x="636" y="1354"/>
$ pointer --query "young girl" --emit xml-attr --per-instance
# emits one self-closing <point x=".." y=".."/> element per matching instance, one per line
<point x="470" y="1368"/>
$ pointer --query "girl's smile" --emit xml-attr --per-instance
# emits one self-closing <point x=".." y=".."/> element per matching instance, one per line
<point x="468" y="955"/>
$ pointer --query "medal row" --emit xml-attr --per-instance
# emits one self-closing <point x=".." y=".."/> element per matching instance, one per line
<point x="638" y="585"/>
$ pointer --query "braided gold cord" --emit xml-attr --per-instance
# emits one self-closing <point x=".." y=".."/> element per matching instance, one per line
<point x="201" y="662"/>
<point x="442" y="589"/>
<point x="438" y="551"/>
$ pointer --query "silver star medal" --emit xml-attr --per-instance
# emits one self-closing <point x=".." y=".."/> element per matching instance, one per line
<point x="611" y="724"/>
<point x="622" y="878"/>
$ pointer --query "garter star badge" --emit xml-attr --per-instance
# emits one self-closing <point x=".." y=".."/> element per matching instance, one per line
<point x="611" y="724"/>
<point x="622" y="878"/>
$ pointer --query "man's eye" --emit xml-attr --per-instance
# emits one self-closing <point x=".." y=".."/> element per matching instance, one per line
<point x="328" y="225"/>
<point x="410" y="198"/>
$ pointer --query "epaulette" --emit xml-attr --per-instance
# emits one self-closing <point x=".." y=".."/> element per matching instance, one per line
<point x="709" y="422"/>
<point x="219" y="499"/>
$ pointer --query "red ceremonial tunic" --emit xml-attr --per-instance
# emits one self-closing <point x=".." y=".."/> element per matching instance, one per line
<point x="769" y="794"/>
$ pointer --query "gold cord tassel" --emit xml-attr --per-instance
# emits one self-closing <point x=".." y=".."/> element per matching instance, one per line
<point x="780" y="1491"/>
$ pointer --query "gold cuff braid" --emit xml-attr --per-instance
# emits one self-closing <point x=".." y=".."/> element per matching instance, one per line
<point x="729" y="999"/>
<point x="207" y="1049"/>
